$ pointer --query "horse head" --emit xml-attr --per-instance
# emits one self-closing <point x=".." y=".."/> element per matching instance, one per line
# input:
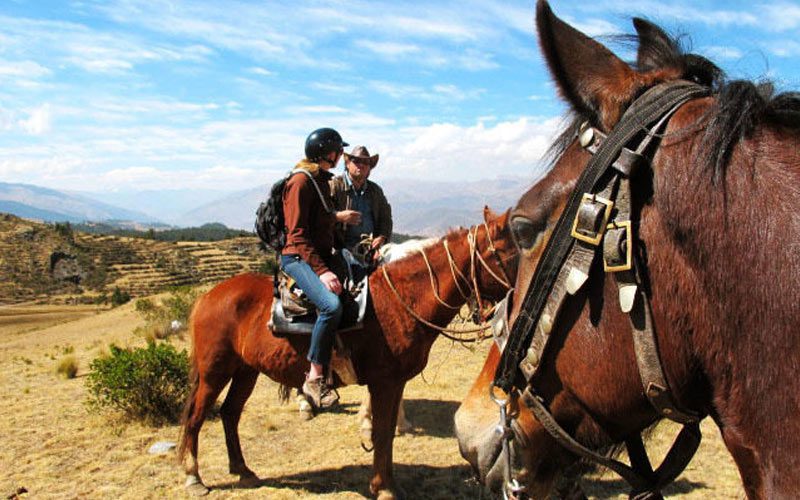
<point x="691" y="201"/>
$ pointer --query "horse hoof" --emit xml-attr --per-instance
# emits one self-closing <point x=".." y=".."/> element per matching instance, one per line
<point x="404" y="428"/>
<point x="390" y="494"/>
<point x="195" y="487"/>
<point x="249" y="479"/>
<point x="366" y="439"/>
<point x="306" y="410"/>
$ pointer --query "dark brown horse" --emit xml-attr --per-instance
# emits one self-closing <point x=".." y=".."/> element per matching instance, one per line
<point x="231" y="341"/>
<point x="719" y="237"/>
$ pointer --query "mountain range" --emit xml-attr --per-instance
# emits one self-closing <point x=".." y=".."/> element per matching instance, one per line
<point x="27" y="200"/>
<point x="419" y="207"/>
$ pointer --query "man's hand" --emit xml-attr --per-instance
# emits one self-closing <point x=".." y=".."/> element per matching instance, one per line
<point x="351" y="217"/>
<point x="331" y="282"/>
<point x="376" y="245"/>
<point x="378" y="242"/>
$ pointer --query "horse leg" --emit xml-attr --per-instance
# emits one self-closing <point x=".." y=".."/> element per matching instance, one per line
<point x="385" y="400"/>
<point x="204" y="395"/>
<point x="244" y="380"/>
<point x="365" y="428"/>
<point x="364" y="416"/>
<point x="403" y="425"/>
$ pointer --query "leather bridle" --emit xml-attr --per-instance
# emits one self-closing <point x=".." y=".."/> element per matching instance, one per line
<point x="470" y="283"/>
<point x="599" y="217"/>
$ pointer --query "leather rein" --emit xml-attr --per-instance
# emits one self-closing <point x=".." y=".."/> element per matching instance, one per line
<point x="471" y="284"/>
<point x="599" y="218"/>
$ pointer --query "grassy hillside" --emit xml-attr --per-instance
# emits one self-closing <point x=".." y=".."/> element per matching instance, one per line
<point x="54" y="263"/>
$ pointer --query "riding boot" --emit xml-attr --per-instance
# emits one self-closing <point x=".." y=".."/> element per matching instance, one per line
<point x="321" y="395"/>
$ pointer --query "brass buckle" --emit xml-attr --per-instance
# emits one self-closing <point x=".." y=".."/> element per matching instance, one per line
<point x="598" y="236"/>
<point x="628" y="265"/>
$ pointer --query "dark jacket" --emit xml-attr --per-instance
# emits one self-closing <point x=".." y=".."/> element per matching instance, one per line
<point x="309" y="226"/>
<point x="381" y="210"/>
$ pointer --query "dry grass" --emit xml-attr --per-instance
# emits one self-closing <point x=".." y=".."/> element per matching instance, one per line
<point x="55" y="449"/>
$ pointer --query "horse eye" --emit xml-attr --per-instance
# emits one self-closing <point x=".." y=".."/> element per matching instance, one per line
<point x="526" y="232"/>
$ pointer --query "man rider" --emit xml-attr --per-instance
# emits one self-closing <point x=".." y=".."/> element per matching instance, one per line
<point x="363" y="211"/>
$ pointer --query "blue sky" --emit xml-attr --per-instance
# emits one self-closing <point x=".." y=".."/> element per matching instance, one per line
<point x="154" y="94"/>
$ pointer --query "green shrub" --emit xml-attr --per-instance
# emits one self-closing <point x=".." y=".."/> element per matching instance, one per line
<point x="148" y="384"/>
<point x="169" y="317"/>
<point x="67" y="367"/>
<point x="119" y="297"/>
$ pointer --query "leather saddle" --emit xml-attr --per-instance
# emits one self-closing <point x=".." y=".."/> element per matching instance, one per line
<point x="293" y="314"/>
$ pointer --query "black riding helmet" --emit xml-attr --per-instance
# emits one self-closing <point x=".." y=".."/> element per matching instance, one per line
<point x="321" y="142"/>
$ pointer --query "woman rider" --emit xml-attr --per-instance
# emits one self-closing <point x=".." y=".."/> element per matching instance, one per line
<point x="307" y="255"/>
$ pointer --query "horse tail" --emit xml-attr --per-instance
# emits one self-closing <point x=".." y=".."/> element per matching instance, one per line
<point x="188" y="409"/>
<point x="284" y="391"/>
<point x="194" y="383"/>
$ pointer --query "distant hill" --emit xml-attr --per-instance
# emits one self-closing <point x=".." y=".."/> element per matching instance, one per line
<point x="163" y="204"/>
<point x="50" y="205"/>
<point x="418" y="207"/>
<point x="54" y="262"/>
<point x="29" y="212"/>
<point x="213" y="231"/>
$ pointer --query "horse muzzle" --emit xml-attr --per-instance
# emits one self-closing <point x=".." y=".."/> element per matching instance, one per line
<point x="481" y="445"/>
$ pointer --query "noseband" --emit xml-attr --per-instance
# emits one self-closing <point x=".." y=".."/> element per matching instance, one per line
<point x="599" y="218"/>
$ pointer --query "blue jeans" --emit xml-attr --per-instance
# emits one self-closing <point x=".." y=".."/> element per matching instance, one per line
<point x="329" y="307"/>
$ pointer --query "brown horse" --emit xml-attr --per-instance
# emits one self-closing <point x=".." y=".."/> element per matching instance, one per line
<point x="718" y="234"/>
<point x="231" y="341"/>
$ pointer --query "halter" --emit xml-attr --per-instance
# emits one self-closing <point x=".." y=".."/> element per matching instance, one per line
<point x="471" y="284"/>
<point x="599" y="217"/>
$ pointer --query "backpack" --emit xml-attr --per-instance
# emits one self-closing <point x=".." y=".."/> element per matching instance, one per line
<point x="270" y="224"/>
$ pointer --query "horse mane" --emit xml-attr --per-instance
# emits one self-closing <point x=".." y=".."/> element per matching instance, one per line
<point x="400" y="251"/>
<point x="740" y="106"/>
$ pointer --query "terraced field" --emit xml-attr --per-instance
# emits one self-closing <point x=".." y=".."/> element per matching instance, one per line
<point x="40" y="263"/>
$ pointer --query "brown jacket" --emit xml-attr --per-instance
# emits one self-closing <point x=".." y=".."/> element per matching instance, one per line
<point x="381" y="210"/>
<point x="309" y="226"/>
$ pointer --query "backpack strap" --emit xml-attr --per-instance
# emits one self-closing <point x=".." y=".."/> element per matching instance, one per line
<point x="316" y="186"/>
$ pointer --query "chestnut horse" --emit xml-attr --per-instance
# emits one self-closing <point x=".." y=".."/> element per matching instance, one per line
<point x="718" y="234"/>
<point x="231" y="341"/>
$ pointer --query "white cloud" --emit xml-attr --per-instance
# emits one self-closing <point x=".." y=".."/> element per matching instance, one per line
<point x="216" y="176"/>
<point x="782" y="16"/>
<point x="388" y="49"/>
<point x="23" y="69"/>
<point x="38" y="121"/>
<point x="784" y="48"/>
<point x="446" y="151"/>
<point x="394" y="90"/>
<point x="257" y="70"/>
<point x="719" y="52"/>
<point x="455" y="93"/>
<point x="594" y="27"/>
<point x="334" y="88"/>
<point x="318" y="110"/>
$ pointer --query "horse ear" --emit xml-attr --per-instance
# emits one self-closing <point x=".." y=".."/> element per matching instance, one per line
<point x="656" y="47"/>
<point x="589" y="77"/>
<point x="488" y="213"/>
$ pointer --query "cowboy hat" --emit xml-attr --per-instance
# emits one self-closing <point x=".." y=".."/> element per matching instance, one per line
<point x="362" y="153"/>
